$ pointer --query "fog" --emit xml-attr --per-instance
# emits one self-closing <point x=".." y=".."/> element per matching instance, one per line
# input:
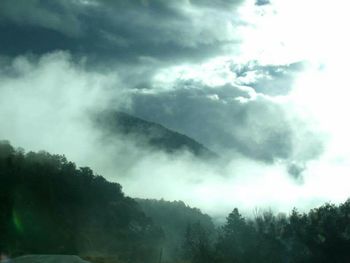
<point x="275" y="112"/>
<point x="47" y="103"/>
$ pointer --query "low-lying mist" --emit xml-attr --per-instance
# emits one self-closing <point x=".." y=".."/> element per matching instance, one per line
<point x="47" y="103"/>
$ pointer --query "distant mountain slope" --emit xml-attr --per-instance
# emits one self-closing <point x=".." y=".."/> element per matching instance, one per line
<point x="153" y="134"/>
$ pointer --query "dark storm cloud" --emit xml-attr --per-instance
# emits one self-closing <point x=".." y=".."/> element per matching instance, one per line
<point x="268" y="79"/>
<point x="59" y="16"/>
<point x="120" y="30"/>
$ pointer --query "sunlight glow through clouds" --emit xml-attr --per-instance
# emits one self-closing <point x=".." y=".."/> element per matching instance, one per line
<point x="280" y="33"/>
<point x="288" y="31"/>
<point x="312" y="31"/>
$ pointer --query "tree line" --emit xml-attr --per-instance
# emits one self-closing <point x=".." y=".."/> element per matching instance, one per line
<point x="321" y="235"/>
<point x="50" y="206"/>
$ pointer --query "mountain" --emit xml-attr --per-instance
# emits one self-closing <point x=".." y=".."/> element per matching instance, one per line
<point x="152" y="134"/>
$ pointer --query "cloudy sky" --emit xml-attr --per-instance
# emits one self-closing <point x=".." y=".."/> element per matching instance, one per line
<point x="262" y="83"/>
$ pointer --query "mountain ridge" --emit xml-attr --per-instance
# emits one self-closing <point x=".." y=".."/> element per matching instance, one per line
<point x="152" y="134"/>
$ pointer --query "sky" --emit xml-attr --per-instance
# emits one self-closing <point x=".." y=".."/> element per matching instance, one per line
<point x="263" y="83"/>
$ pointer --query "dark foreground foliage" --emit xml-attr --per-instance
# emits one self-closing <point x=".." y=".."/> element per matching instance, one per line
<point x="49" y="206"/>
<point x="322" y="235"/>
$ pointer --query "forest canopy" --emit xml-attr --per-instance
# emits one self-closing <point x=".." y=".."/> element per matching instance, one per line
<point x="49" y="206"/>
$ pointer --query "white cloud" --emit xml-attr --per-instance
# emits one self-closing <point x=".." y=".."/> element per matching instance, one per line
<point x="44" y="103"/>
<point x="288" y="31"/>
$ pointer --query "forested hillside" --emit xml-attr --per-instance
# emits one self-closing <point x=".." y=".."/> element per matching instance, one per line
<point x="49" y="206"/>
